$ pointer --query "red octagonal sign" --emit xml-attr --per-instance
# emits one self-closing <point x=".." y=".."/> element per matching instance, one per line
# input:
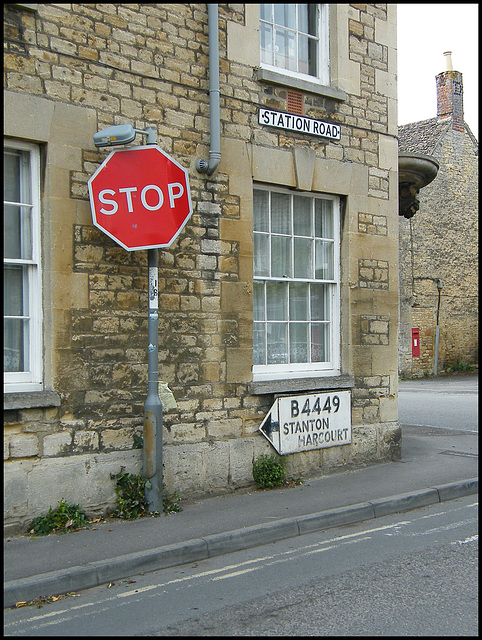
<point x="140" y="197"/>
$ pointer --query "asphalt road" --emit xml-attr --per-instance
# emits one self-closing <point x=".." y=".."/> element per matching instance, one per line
<point x="405" y="574"/>
<point x="446" y="403"/>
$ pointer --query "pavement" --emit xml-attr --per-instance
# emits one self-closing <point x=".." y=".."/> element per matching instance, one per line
<point x="437" y="464"/>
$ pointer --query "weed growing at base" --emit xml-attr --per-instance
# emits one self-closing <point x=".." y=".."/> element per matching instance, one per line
<point x="268" y="471"/>
<point x="65" y="517"/>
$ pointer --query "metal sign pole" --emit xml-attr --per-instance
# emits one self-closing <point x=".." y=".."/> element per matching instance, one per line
<point x="152" y="451"/>
<point x="164" y="168"/>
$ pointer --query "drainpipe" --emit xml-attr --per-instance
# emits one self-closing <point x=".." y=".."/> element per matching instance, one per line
<point x="214" y="114"/>
<point x="437" y="328"/>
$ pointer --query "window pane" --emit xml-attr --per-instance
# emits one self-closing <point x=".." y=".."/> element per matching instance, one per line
<point x="299" y="342"/>
<point x="259" y="344"/>
<point x="324" y="219"/>
<point x="319" y="342"/>
<point x="312" y="57"/>
<point x="265" y="11"/>
<point x="276" y="300"/>
<point x="320" y="302"/>
<point x="303" y="257"/>
<point x="258" y="302"/>
<point x="15" y="290"/>
<point x="285" y="56"/>
<point x="265" y="38"/>
<point x="303" y="54"/>
<point x="15" y="341"/>
<point x="299" y="301"/>
<point x="284" y="14"/>
<point x="303" y="18"/>
<point x="16" y="176"/>
<point x="281" y="257"/>
<point x="324" y="268"/>
<point x="302" y="216"/>
<point x="280" y="213"/>
<point x="261" y="255"/>
<point x="312" y="19"/>
<point x="261" y="211"/>
<point x="277" y="351"/>
<point x="17" y="232"/>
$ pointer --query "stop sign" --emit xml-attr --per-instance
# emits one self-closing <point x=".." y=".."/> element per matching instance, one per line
<point x="140" y="197"/>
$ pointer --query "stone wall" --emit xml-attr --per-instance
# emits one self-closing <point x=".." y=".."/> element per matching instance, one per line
<point x="73" y="69"/>
<point x="441" y="241"/>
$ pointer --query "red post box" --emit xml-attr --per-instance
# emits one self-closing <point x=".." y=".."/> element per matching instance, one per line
<point x="415" y="343"/>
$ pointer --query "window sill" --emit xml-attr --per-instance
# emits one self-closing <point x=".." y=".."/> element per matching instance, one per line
<point x="31" y="400"/>
<point x="273" y="77"/>
<point x="28" y="6"/>
<point x="302" y="384"/>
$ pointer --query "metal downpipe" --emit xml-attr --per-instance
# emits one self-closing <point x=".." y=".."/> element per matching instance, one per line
<point x="214" y="111"/>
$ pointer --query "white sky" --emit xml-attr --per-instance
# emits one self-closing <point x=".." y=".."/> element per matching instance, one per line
<point x="425" y="31"/>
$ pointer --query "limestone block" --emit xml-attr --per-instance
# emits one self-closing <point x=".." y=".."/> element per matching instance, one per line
<point x="117" y="438"/>
<point x="83" y="479"/>
<point x="85" y="441"/>
<point x="238" y="365"/>
<point x="262" y="446"/>
<point x="386" y="30"/>
<point x="243" y="43"/>
<point x="251" y="425"/>
<point x="273" y="165"/>
<point x="364" y="444"/>
<point x="304" y="463"/>
<point x="241" y="455"/>
<point x="386" y="83"/>
<point x="335" y="177"/>
<point x="226" y="428"/>
<point x="15" y="488"/>
<point x="185" y="433"/>
<point x="389" y="408"/>
<point x="304" y="161"/>
<point x="390" y="440"/>
<point x="183" y="468"/>
<point x="388" y="153"/>
<point x="57" y="443"/>
<point x="27" y="116"/>
<point x="23" y="446"/>
<point x="215" y="466"/>
<point x="335" y="456"/>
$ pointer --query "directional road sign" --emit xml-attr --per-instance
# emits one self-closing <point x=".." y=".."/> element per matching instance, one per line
<point x="313" y="421"/>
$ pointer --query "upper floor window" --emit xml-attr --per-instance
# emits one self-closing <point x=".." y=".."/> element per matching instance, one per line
<point x="22" y="307"/>
<point x="296" y="284"/>
<point x="294" y="39"/>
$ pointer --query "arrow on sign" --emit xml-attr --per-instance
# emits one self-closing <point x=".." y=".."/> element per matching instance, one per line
<point x="270" y="426"/>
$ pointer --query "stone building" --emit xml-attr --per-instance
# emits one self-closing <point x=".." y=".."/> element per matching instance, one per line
<point x="439" y="244"/>
<point x="255" y="303"/>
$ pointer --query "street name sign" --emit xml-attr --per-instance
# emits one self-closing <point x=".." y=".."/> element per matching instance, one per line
<point x="302" y="124"/>
<point x="313" y="421"/>
<point x="140" y="197"/>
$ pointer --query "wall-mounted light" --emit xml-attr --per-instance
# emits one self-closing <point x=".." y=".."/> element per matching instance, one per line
<point x="122" y="134"/>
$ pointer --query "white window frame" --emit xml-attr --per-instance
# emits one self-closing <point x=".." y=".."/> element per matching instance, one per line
<point x="323" y="51"/>
<point x="330" y="367"/>
<point x="31" y="380"/>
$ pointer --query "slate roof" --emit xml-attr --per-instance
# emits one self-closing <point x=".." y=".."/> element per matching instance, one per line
<point x="422" y="136"/>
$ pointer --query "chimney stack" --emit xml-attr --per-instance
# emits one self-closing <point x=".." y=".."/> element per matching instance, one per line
<point x="450" y="94"/>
